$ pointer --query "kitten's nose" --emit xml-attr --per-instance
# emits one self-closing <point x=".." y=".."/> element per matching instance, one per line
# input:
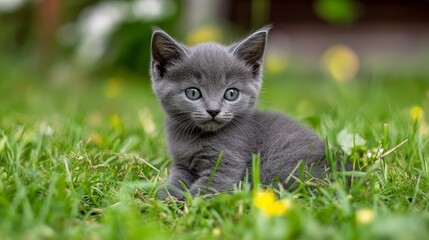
<point x="213" y="113"/>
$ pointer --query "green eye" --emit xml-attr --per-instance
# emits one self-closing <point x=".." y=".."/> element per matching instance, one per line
<point x="193" y="93"/>
<point x="231" y="94"/>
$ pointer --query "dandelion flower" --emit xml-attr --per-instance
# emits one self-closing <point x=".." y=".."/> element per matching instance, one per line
<point x="269" y="205"/>
<point x="417" y="117"/>
<point x="416" y="113"/>
<point x="365" y="216"/>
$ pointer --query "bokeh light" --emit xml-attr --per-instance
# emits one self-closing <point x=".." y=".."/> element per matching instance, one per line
<point x="365" y="216"/>
<point x="206" y="33"/>
<point x="10" y="5"/>
<point x="112" y="87"/>
<point x="146" y="121"/>
<point x="340" y="62"/>
<point x="275" y="63"/>
<point x="337" y="11"/>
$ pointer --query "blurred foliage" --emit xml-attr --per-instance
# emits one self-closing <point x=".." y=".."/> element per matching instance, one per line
<point x="129" y="44"/>
<point x="126" y="42"/>
<point x="124" y="46"/>
<point x="337" y="12"/>
<point x="16" y="34"/>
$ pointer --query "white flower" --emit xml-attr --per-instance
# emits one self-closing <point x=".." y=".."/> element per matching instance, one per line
<point x="349" y="140"/>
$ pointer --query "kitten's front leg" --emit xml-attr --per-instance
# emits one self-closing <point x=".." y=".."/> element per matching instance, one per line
<point x="230" y="172"/>
<point x="173" y="187"/>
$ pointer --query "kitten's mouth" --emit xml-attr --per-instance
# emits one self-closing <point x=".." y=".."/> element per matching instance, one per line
<point x="211" y="125"/>
<point x="214" y="120"/>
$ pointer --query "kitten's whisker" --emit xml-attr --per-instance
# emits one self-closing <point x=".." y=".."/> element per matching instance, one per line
<point x="178" y="131"/>
<point x="241" y="127"/>
<point x="235" y="125"/>
<point x="188" y="128"/>
<point x="171" y="121"/>
<point x="249" y="118"/>
<point x="185" y="129"/>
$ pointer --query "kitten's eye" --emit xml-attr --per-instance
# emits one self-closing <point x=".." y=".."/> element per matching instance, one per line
<point x="231" y="94"/>
<point x="193" y="93"/>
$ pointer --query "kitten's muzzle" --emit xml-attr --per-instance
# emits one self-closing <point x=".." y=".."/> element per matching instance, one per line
<point x="213" y="108"/>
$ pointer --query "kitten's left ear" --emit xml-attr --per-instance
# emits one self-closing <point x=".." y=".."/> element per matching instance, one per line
<point x="165" y="52"/>
<point x="251" y="50"/>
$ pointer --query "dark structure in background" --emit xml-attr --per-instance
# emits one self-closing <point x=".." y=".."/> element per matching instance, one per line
<point x="286" y="13"/>
<point x="386" y="34"/>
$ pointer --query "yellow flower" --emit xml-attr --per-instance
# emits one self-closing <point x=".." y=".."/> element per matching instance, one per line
<point x="275" y="63"/>
<point x="268" y="204"/>
<point x="340" y="62"/>
<point x="416" y="113"/>
<point x="417" y="116"/>
<point x="112" y="87"/>
<point x="204" y="34"/>
<point x="365" y="216"/>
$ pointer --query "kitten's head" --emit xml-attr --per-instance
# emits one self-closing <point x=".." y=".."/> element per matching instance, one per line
<point x="209" y="84"/>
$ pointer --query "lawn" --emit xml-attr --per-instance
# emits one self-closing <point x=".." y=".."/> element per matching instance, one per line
<point x="82" y="157"/>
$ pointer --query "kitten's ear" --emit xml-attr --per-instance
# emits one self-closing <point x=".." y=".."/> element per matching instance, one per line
<point x="165" y="52"/>
<point x="251" y="50"/>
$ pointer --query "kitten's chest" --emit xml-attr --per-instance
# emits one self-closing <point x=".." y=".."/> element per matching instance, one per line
<point x="200" y="151"/>
<point x="194" y="154"/>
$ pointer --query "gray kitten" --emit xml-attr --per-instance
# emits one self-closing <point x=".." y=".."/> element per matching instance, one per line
<point x="209" y="93"/>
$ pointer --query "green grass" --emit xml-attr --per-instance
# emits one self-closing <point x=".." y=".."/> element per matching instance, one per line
<point x="77" y="164"/>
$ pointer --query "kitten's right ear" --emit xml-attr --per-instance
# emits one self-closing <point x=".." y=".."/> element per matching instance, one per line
<point x="165" y="52"/>
<point x="251" y="50"/>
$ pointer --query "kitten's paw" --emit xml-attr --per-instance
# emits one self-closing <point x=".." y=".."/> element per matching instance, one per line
<point x="170" y="191"/>
<point x="202" y="191"/>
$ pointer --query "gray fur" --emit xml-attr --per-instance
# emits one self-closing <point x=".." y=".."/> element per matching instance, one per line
<point x="239" y="130"/>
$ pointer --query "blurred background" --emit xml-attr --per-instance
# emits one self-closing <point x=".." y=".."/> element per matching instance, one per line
<point x="339" y="39"/>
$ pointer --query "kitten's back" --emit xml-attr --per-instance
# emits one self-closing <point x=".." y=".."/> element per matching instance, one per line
<point x="284" y="143"/>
